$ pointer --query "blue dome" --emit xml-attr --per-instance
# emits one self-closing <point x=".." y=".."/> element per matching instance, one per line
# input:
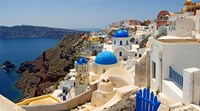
<point x="82" y="61"/>
<point x="121" y="33"/>
<point x="106" y="58"/>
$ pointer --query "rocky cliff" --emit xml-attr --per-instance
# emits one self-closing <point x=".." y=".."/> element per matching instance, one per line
<point x="28" y="31"/>
<point x="51" y="66"/>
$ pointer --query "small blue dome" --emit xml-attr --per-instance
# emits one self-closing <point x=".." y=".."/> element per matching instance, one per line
<point x="121" y="33"/>
<point x="106" y="58"/>
<point x="82" y="61"/>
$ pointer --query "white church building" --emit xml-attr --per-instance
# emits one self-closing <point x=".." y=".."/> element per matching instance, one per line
<point x="121" y="46"/>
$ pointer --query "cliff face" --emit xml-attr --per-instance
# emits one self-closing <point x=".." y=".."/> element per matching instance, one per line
<point x="28" y="31"/>
<point x="52" y="65"/>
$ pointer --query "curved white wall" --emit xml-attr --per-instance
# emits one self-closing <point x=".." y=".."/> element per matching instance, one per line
<point x="100" y="69"/>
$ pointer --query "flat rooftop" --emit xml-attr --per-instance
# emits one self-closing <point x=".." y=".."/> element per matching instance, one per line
<point x="179" y="40"/>
<point x="40" y="100"/>
<point x="45" y="101"/>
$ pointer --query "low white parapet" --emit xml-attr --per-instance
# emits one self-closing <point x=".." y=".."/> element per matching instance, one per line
<point x="7" y="105"/>
<point x="191" y="86"/>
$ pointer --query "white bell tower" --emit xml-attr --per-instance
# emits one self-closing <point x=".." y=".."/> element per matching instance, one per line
<point x="82" y="77"/>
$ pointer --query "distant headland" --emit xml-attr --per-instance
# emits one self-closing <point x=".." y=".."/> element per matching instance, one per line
<point x="29" y="31"/>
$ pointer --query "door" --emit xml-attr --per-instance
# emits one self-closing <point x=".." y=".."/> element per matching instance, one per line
<point x="120" y="54"/>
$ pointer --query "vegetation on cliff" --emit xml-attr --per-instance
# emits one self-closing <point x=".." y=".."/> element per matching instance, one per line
<point x="50" y="67"/>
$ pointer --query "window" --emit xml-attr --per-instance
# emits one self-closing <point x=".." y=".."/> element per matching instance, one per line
<point x="114" y="42"/>
<point x="120" y="42"/>
<point x="120" y="54"/>
<point x="165" y="18"/>
<point x="140" y="55"/>
<point x="153" y="69"/>
<point x="126" y="42"/>
<point x="143" y="36"/>
<point x="104" y="70"/>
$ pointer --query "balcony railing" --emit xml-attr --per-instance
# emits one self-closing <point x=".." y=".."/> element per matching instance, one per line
<point x="176" y="78"/>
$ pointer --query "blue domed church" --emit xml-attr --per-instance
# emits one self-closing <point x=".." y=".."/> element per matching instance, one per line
<point x="104" y="61"/>
<point x="121" y="45"/>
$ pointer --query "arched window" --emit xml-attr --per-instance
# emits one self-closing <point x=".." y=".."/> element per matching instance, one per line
<point x="120" y="54"/>
<point x="126" y="42"/>
<point x="135" y="55"/>
<point x="120" y="42"/>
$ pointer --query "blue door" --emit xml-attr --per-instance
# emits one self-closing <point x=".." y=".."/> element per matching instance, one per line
<point x="120" y="42"/>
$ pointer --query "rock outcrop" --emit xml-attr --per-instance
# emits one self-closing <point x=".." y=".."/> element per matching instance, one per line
<point x="27" y="66"/>
<point x="8" y="66"/>
<point x="53" y="65"/>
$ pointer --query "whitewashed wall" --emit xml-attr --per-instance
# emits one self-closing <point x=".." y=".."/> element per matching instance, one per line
<point x="154" y="57"/>
<point x="179" y="56"/>
<point x="184" y="26"/>
<point x="124" y="40"/>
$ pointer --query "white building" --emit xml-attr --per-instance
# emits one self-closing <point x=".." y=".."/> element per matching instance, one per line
<point x="170" y="58"/>
<point x="142" y="32"/>
<point x="121" y="46"/>
<point x="184" y="25"/>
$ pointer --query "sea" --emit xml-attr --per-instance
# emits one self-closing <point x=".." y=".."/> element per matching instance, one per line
<point x="18" y="51"/>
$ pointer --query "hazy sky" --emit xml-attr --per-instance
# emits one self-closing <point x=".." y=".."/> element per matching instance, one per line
<point x="81" y="13"/>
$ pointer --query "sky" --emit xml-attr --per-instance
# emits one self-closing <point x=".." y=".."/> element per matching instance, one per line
<point x="74" y="14"/>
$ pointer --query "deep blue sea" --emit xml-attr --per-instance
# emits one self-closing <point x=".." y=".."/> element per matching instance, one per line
<point x="18" y="51"/>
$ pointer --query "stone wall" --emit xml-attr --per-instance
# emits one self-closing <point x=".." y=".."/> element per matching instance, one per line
<point x="124" y="100"/>
<point x="128" y="103"/>
<point x="142" y="72"/>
